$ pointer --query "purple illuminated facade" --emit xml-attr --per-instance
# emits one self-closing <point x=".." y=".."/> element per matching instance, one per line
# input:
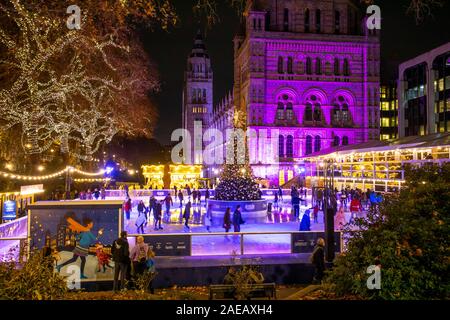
<point x="308" y="73"/>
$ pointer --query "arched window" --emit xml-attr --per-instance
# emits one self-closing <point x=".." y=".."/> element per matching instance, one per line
<point x="318" y="21"/>
<point x="345" y="141"/>
<point x="308" y="112"/>
<point x="345" y="115"/>
<point x="290" y="67"/>
<point x="281" y="146"/>
<point x="336" y="113"/>
<point x="318" y="66"/>
<point x="194" y="96"/>
<point x="204" y="95"/>
<point x="286" y="20"/>
<point x="280" y="111"/>
<point x="199" y="95"/>
<point x="289" y="111"/>
<point x="280" y="65"/>
<point x="308" y="149"/>
<point x="308" y="66"/>
<point x="289" y="147"/>
<point x="337" y="22"/>
<point x="336" y="67"/>
<point x="346" y="68"/>
<point x="341" y="112"/>
<point x="336" y="141"/>
<point x="317" y="112"/>
<point x="317" y="144"/>
<point x="306" y="20"/>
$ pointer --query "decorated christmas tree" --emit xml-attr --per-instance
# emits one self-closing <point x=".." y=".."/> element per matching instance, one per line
<point x="236" y="180"/>
<point x="237" y="183"/>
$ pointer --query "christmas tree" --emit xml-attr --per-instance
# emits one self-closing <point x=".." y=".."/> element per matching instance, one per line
<point x="237" y="181"/>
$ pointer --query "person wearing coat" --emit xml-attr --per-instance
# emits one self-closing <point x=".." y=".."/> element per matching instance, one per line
<point x="157" y="215"/>
<point x="339" y="220"/>
<point x="208" y="218"/>
<point x="187" y="215"/>
<point x="237" y="219"/>
<point x="305" y="224"/>
<point x="318" y="260"/>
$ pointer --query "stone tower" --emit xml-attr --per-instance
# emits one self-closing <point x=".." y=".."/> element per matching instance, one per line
<point x="197" y="97"/>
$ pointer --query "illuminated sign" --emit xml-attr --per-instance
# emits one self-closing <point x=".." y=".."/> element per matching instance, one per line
<point x="37" y="188"/>
<point x="9" y="210"/>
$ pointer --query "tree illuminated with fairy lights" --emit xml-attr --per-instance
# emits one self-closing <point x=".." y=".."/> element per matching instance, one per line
<point x="73" y="88"/>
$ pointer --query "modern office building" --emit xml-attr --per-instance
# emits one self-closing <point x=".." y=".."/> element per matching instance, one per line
<point x="388" y="111"/>
<point x="424" y="93"/>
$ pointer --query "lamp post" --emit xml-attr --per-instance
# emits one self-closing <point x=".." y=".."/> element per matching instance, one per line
<point x="329" y="209"/>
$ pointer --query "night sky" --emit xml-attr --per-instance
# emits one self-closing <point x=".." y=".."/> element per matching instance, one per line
<point x="401" y="39"/>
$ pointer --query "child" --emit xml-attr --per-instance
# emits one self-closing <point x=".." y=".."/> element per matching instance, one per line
<point x="140" y="222"/>
<point x="102" y="258"/>
<point x="316" y="213"/>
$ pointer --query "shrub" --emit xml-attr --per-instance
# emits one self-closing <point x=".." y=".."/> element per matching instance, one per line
<point x="34" y="280"/>
<point x="407" y="236"/>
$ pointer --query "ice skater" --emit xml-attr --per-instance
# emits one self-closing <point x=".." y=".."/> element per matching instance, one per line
<point x="187" y="216"/>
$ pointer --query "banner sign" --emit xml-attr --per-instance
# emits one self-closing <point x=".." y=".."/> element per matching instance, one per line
<point x="305" y="242"/>
<point x="9" y="210"/>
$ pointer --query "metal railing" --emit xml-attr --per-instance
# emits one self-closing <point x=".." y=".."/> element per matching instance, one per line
<point x="209" y="248"/>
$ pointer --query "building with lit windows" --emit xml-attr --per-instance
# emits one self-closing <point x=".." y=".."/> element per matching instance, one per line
<point x="388" y="112"/>
<point x="377" y="165"/>
<point x="424" y="93"/>
<point x="307" y="74"/>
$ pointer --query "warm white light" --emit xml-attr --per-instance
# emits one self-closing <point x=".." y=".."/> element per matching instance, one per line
<point x="40" y="168"/>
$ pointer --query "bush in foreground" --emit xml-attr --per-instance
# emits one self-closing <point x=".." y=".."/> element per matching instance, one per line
<point x="408" y="236"/>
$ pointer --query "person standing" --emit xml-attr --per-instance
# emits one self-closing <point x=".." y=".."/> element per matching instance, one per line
<point x="180" y="198"/>
<point x="296" y="206"/>
<point x="169" y="202"/>
<point x="96" y="194"/>
<point x="189" y="192"/>
<point x="305" y="224"/>
<point x="280" y="193"/>
<point x="152" y="205"/>
<point x="227" y="221"/>
<point x="339" y="220"/>
<point x="207" y="195"/>
<point x="141" y="207"/>
<point x="237" y="219"/>
<point x="199" y="197"/>
<point x="103" y="193"/>
<point x="316" y="213"/>
<point x="319" y="198"/>
<point x="318" y="260"/>
<point x="187" y="215"/>
<point x="121" y="256"/>
<point x="208" y="218"/>
<point x="140" y="222"/>
<point x="127" y="208"/>
<point x="194" y="196"/>
<point x="275" y="200"/>
<point x="139" y="255"/>
<point x="157" y="215"/>
<point x="355" y="208"/>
